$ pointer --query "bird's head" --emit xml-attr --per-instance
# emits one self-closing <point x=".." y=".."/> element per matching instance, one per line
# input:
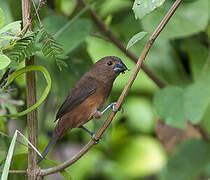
<point x="109" y="66"/>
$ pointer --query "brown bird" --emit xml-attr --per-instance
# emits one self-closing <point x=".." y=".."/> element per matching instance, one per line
<point x="86" y="98"/>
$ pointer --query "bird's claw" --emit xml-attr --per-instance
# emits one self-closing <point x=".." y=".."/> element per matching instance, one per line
<point x="96" y="141"/>
<point x="119" y="109"/>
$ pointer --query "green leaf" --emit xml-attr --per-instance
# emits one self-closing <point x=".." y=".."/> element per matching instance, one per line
<point x="72" y="35"/>
<point x="205" y="122"/>
<point x="77" y="32"/>
<point x="168" y="103"/>
<point x="109" y="7"/>
<point x="143" y="7"/>
<point x="44" y="95"/>
<point x="198" y="57"/>
<point x="23" y="48"/>
<point x="177" y="105"/>
<point x="165" y="63"/>
<point x="67" y="7"/>
<point x="2" y="18"/>
<point x="14" y="27"/>
<point x="196" y="100"/>
<point x="4" y="61"/>
<point x="188" y="161"/>
<point x="10" y="37"/>
<point x="9" y="157"/>
<point x="50" y="47"/>
<point x="137" y="37"/>
<point x="192" y="17"/>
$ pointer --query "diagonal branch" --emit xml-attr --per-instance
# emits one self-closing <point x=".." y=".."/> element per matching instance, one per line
<point x="114" y="39"/>
<point x="82" y="152"/>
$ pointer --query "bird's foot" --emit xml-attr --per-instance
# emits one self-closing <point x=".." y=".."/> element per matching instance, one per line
<point x="97" y="114"/>
<point x="119" y="109"/>
<point x="113" y="109"/>
<point x="96" y="141"/>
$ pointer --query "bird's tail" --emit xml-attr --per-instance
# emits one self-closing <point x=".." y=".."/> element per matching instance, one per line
<point x="49" y="146"/>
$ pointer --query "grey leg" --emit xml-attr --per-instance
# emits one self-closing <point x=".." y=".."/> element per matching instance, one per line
<point x="91" y="134"/>
<point x="113" y="109"/>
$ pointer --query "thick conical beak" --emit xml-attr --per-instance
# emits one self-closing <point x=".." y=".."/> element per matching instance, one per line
<point x="120" y="68"/>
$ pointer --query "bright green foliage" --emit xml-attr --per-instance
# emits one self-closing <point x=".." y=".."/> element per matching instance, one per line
<point x="4" y="61"/>
<point x="143" y="7"/>
<point x="109" y="7"/>
<point x="50" y="47"/>
<point x="185" y="22"/>
<point x="23" y="48"/>
<point x="44" y="95"/>
<point x="177" y="105"/>
<point x="13" y="27"/>
<point x="169" y="105"/>
<point x="163" y="61"/>
<point x="9" y="157"/>
<point x="2" y="18"/>
<point x="198" y="55"/>
<point x="63" y="30"/>
<point x="8" y="35"/>
<point x="137" y="37"/>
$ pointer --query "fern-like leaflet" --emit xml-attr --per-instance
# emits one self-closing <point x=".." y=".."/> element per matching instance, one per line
<point x="23" y="48"/>
<point x="51" y="48"/>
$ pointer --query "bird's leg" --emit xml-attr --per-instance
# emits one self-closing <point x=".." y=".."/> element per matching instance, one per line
<point x="98" y="114"/>
<point x="113" y="109"/>
<point x="91" y="133"/>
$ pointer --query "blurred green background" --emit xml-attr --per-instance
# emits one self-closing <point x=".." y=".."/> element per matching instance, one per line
<point x="134" y="146"/>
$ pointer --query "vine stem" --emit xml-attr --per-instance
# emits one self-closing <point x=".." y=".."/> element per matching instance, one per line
<point x="44" y="172"/>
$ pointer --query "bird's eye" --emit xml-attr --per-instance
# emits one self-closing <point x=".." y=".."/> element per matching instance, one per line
<point x="109" y="63"/>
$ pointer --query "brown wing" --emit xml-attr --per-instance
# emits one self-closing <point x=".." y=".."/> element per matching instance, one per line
<point x="85" y="87"/>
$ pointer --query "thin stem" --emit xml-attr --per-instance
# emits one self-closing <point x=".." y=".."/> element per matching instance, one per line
<point x="23" y="31"/>
<point x="15" y="171"/>
<point x="37" y="13"/>
<point x="114" y="39"/>
<point x="62" y="166"/>
<point x="70" y="22"/>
